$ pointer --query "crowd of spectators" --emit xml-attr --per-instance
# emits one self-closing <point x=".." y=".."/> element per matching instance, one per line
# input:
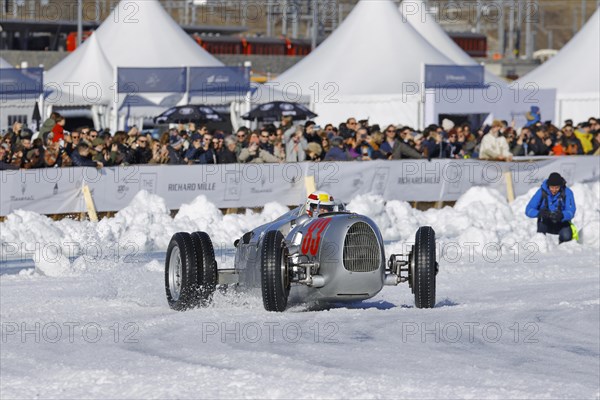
<point x="53" y="146"/>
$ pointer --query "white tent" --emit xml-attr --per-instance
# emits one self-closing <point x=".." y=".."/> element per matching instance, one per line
<point x="371" y="66"/>
<point x="420" y="18"/>
<point x="138" y="33"/>
<point x="499" y="99"/>
<point x="574" y="72"/>
<point x="17" y="108"/>
<point x="4" y="63"/>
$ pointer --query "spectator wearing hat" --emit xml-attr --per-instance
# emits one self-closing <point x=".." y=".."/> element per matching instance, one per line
<point x="174" y="148"/>
<point x="533" y="116"/>
<point x="447" y="126"/>
<point x="554" y="207"/>
<point x="493" y="146"/>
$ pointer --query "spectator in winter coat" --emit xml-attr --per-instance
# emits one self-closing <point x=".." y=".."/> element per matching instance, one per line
<point x="494" y="146"/>
<point x="585" y="137"/>
<point x="58" y="130"/>
<point x="209" y="155"/>
<point x="81" y="157"/>
<point x="337" y="151"/>
<point x="295" y="145"/>
<point x="193" y="153"/>
<point x="388" y="144"/>
<point x="554" y="207"/>
<point x="254" y="154"/>
<point x="571" y="143"/>
<point x="264" y="143"/>
<point x="540" y="144"/>
<point x="227" y="154"/>
<point x="310" y="134"/>
<point x="141" y="153"/>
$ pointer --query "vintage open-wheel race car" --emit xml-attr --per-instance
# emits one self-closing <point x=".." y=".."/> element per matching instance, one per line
<point x="318" y="251"/>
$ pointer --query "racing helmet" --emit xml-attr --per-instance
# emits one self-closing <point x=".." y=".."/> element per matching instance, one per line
<point x="319" y="202"/>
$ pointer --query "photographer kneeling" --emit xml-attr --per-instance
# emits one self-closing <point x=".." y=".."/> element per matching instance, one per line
<point x="554" y="207"/>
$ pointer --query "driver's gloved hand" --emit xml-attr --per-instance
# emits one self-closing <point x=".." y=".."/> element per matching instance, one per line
<point x="545" y="214"/>
<point x="556" y="216"/>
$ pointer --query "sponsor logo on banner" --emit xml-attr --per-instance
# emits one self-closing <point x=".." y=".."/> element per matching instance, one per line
<point x="148" y="183"/>
<point x="191" y="187"/>
<point x="358" y="181"/>
<point x="23" y="196"/>
<point x="262" y="188"/>
<point x="153" y="80"/>
<point x="420" y="180"/>
<point x="217" y="79"/>
<point x="380" y="180"/>
<point x="233" y="187"/>
<point x="122" y="191"/>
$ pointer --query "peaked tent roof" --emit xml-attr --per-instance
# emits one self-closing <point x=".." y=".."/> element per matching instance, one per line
<point x="416" y="13"/>
<point x="372" y="52"/>
<point x="138" y="33"/>
<point x="87" y="66"/>
<point x="575" y="68"/>
<point x="4" y="63"/>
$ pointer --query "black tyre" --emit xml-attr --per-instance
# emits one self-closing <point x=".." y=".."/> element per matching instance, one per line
<point x="206" y="266"/>
<point x="274" y="275"/>
<point x="181" y="277"/>
<point x="425" y="268"/>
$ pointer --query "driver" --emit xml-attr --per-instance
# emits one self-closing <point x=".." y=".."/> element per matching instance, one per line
<point x="319" y="202"/>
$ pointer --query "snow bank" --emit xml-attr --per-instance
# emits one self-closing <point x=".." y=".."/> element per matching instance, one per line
<point x="480" y="217"/>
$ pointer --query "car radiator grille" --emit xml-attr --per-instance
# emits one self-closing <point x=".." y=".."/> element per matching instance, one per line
<point x="361" y="249"/>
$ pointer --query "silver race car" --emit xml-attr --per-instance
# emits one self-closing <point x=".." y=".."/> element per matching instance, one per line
<point x="317" y="251"/>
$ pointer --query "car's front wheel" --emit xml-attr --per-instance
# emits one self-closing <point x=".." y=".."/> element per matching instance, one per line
<point x="425" y="268"/>
<point x="181" y="274"/>
<point x="274" y="274"/>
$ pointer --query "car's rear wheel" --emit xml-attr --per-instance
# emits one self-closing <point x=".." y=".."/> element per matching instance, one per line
<point x="181" y="277"/>
<point x="206" y="267"/>
<point x="274" y="274"/>
<point x="425" y="268"/>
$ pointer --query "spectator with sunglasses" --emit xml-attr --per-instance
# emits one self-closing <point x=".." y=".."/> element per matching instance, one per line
<point x="387" y="147"/>
<point x="141" y="153"/>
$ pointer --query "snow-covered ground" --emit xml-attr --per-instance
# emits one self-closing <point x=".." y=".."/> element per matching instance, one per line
<point x="84" y="314"/>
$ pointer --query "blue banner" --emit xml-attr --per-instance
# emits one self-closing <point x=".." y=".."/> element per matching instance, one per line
<point x="454" y="76"/>
<point x="219" y="80"/>
<point x="21" y="83"/>
<point x="152" y="80"/>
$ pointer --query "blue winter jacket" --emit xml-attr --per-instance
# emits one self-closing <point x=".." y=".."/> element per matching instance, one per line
<point x="567" y="207"/>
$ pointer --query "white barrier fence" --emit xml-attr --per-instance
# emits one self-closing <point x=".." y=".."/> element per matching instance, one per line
<point x="59" y="190"/>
